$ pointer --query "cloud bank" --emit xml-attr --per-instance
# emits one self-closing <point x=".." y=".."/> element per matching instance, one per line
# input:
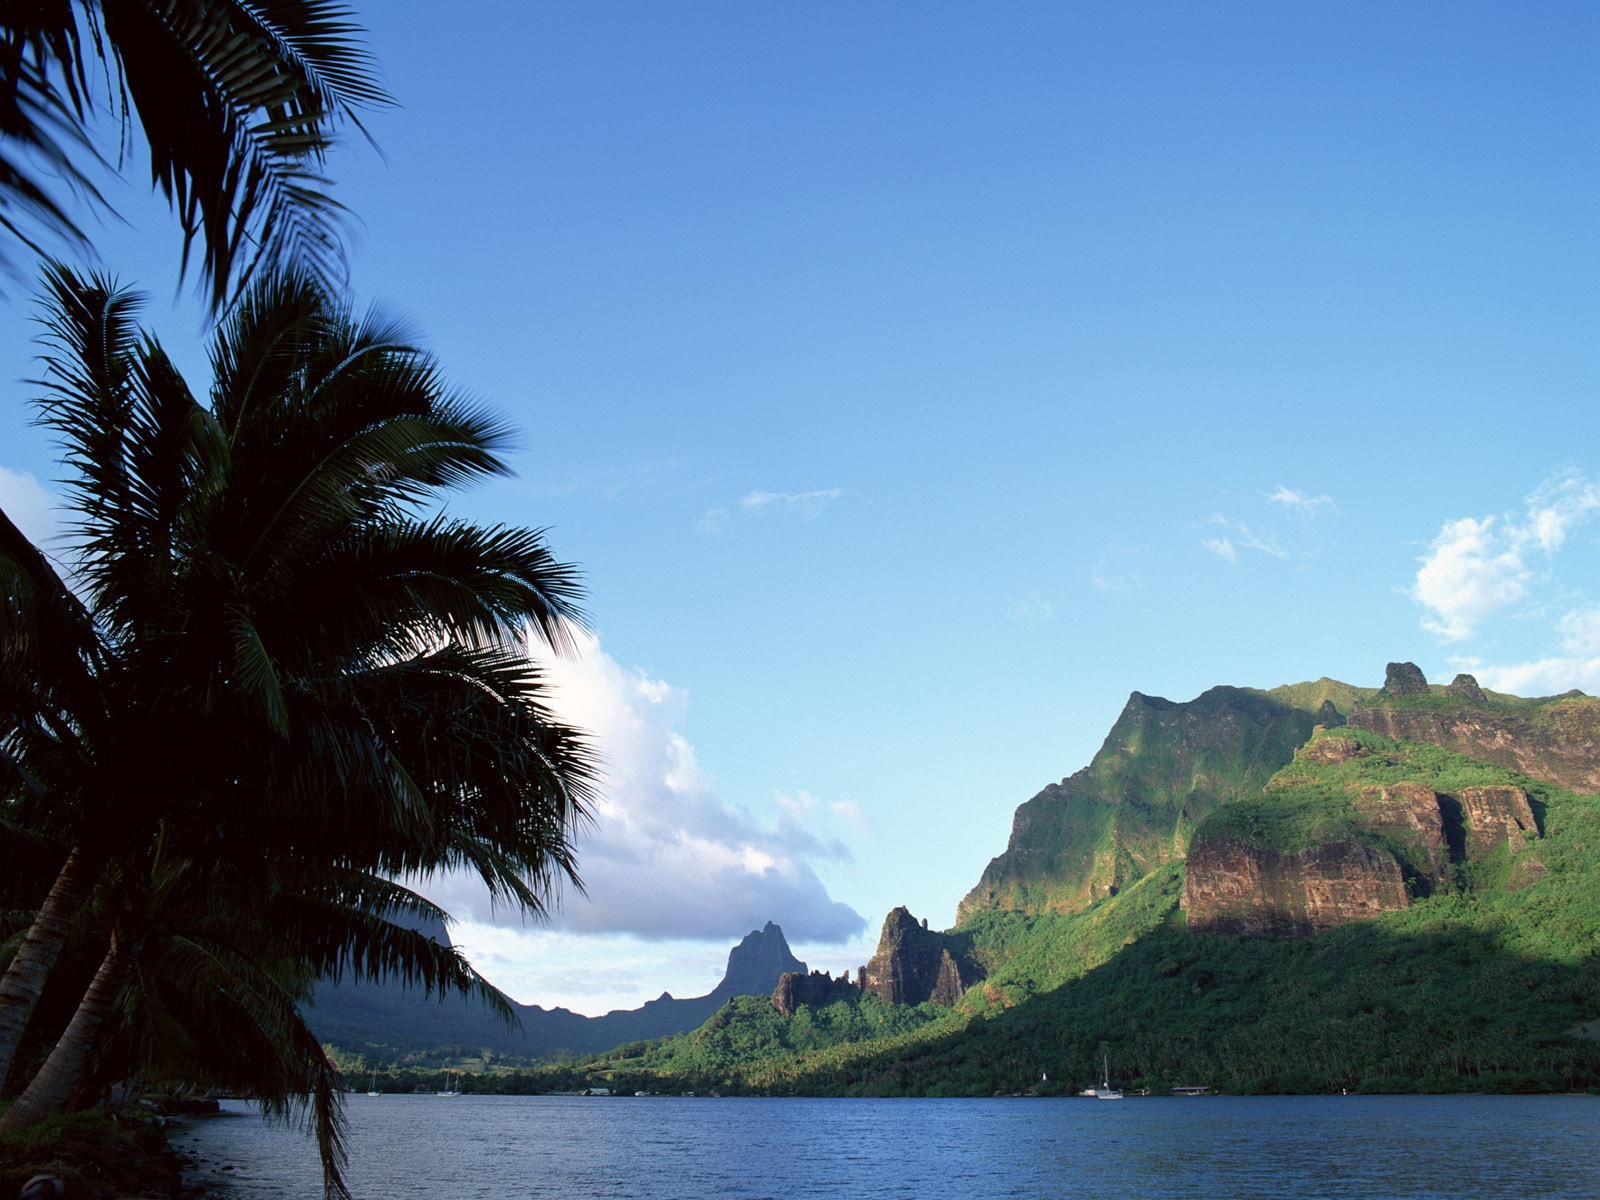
<point x="666" y="858"/>
<point x="1481" y="571"/>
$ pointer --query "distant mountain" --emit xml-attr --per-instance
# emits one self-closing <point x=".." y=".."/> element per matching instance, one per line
<point x="754" y="966"/>
<point x="388" y="1023"/>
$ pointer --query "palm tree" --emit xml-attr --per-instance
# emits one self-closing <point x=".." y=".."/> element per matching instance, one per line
<point x="50" y="657"/>
<point x="210" y="957"/>
<point x="237" y="100"/>
<point x="281" y="656"/>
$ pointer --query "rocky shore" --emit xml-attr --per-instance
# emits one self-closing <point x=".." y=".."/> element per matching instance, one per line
<point x="103" y="1154"/>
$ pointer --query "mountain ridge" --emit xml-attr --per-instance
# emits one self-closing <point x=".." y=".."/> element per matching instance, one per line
<point x="1432" y="924"/>
<point x="1163" y="766"/>
<point x="389" y="1022"/>
<point x="1401" y="917"/>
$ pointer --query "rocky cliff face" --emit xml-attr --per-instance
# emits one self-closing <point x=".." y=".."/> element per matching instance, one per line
<point x="1167" y="769"/>
<point x="1234" y="886"/>
<point x="1496" y="816"/>
<point x="816" y="990"/>
<point x="1415" y="817"/>
<point x="1368" y="853"/>
<point x="1161" y="770"/>
<point x="914" y="964"/>
<point x="1555" y="739"/>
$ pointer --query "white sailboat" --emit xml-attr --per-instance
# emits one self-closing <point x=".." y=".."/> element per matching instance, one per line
<point x="450" y="1087"/>
<point x="372" y="1088"/>
<point x="1105" y="1091"/>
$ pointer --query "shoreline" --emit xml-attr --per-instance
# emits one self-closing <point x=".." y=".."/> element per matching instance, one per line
<point x="151" y="1170"/>
<point x="110" y="1154"/>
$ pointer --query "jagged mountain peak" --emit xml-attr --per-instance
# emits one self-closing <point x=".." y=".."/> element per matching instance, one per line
<point x="757" y="962"/>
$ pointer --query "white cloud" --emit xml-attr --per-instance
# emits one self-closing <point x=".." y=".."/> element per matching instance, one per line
<point x="1300" y="502"/>
<point x="31" y="506"/>
<point x="1031" y="609"/>
<point x="1482" y="568"/>
<point x="1580" y="631"/>
<point x="794" y="802"/>
<point x="1576" y="666"/>
<point x="1237" y="536"/>
<point x="1473" y="570"/>
<point x="851" y="814"/>
<point x="665" y="857"/>
<point x="589" y="973"/>
<point x="806" y="504"/>
<point x="1477" y="568"/>
<point x="755" y="504"/>
<point x="1543" y="677"/>
<point x="1287" y="535"/>
<point x="1557" y="506"/>
<point x="1116" y="570"/>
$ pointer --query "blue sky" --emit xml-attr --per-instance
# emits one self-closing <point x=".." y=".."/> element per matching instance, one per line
<point x="914" y="381"/>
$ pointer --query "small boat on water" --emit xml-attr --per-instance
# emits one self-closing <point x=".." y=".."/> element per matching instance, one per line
<point x="450" y="1087"/>
<point x="372" y="1088"/>
<point x="1105" y="1091"/>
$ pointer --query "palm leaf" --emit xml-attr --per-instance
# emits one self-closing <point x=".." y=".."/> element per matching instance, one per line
<point x="238" y="101"/>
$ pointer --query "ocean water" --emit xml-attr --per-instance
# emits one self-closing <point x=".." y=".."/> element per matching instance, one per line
<point x="661" y="1148"/>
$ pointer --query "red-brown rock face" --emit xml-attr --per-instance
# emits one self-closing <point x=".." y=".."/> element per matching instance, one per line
<point x="1409" y="811"/>
<point x="1496" y="816"/>
<point x="1236" y="887"/>
<point x="1331" y="750"/>
<point x="1559" y="743"/>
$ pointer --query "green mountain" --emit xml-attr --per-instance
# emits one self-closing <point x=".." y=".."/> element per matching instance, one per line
<point x="1243" y="892"/>
<point x="1162" y="769"/>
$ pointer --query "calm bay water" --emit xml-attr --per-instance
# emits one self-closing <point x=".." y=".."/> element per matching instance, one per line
<point x="659" y="1148"/>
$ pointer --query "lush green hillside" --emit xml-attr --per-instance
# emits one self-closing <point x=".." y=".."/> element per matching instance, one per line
<point x="1314" y="800"/>
<point x="1478" y="985"/>
<point x="1310" y="697"/>
<point x="1163" y="768"/>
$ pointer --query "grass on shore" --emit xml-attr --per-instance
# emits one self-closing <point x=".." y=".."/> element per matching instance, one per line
<point x="98" y="1154"/>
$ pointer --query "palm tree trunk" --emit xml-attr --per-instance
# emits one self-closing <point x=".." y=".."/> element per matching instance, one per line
<point x="55" y="1088"/>
<point x="25" y="978"/>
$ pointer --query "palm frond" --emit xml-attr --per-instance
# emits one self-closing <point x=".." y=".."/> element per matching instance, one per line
<point x="239" y="104"/>
<point x="246" y="1031"/>
<point x="42" y="137"/>
<point x="339" y="939"/>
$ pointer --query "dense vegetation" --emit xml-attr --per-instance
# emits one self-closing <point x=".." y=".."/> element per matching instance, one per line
<point x="1479" y="986"/>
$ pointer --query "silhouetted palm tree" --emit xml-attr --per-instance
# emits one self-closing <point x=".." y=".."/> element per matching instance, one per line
<point x="237" y="100"/>
<point x="281" y="657"/>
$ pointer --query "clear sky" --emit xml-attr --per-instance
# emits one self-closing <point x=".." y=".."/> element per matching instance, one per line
<point x="914" y="381"/>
